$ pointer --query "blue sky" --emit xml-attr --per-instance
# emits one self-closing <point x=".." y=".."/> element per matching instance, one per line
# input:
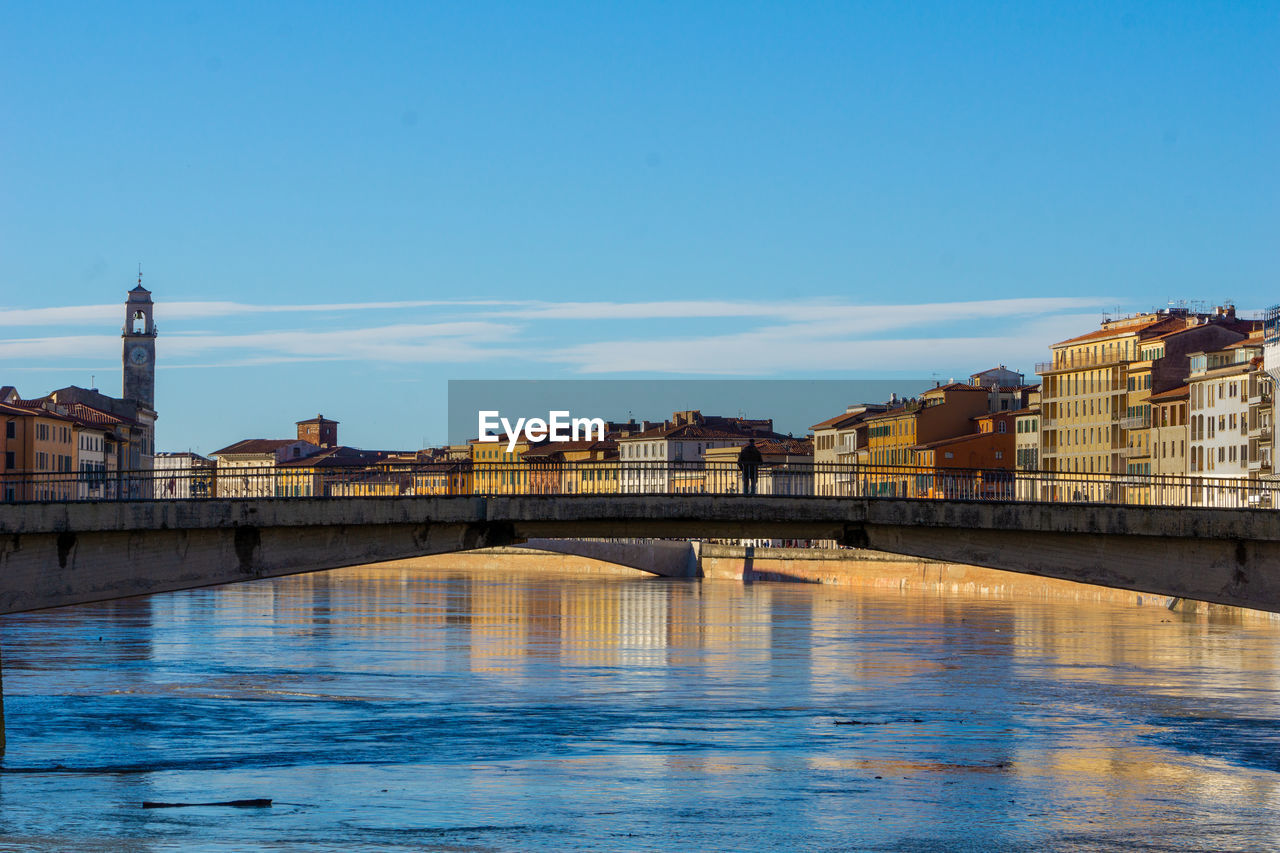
<point x="339" y="207"/>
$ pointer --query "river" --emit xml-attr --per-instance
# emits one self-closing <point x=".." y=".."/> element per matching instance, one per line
<point x="392" y="709"/>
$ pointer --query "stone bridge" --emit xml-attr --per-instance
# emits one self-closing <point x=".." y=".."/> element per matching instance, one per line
<point x="54" y="554"/>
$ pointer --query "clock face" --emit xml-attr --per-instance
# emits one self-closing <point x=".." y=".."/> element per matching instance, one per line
<point x="138" y="355"/>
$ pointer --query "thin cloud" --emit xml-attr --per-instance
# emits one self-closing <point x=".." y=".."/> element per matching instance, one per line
<point x="77" y="315"/>
<point x="793" y="348"/>
<point x="880" y="315"/>
<point x="772" y="337"/>
<point x="425" y="342"/>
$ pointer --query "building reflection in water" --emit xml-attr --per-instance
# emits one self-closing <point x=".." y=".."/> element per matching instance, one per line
<point x="1010" y="715"/>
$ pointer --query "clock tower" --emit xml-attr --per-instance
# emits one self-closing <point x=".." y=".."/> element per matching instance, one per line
<point x="139" y="352"/>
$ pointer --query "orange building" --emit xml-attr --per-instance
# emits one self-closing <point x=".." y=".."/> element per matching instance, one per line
<point x="39" y="453"/>
<point x="978" y="465"/>
<point x="892" y="436"/>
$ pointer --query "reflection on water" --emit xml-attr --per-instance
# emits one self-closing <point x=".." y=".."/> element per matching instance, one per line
<point x="387" y="709"/>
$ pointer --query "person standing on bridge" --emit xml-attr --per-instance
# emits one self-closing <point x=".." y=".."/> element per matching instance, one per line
<point x="749" y="459"/>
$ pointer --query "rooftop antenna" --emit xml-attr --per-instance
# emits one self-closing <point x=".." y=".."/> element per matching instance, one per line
<point x="92" y="385"/>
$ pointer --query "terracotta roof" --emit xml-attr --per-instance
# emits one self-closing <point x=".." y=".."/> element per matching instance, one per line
<point x="89" y="416"/>
<point x="955" y="386"/>
<point x="696" y="431"/>
<point x="1028" y="410"/>
<point x="255" y="445"/>
<point x="839" y="420"/>
<point x="790" y="447"/>
<point x="1172" y="394"/>
<point x="552" y="447"/>
<point x="338" y="457"/>
<point x="17" y="410"/>
<point x="610" y="455"/>
<point x="1102" y="334"/>
<point x="907" y="409"/>
<point x="957" y="440"/>
<point x="318" y="419"/>
<point x="35" y="410"/>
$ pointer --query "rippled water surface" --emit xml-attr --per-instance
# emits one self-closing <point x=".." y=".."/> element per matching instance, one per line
<point x="389" y="709"/>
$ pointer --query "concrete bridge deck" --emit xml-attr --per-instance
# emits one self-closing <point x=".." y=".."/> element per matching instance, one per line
<point x="53" y="554"/>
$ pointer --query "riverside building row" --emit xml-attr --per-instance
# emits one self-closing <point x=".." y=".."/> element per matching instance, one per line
<point x="1164" y="406"/>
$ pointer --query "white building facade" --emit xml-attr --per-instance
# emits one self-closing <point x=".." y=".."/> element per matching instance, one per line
<point x="246" y="469"/>
<point x="1227" y="419"/>
<point x="182" y="476"/>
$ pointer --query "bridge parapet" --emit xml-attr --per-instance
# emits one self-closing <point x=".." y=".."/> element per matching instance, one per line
<point x="616" y="478"/>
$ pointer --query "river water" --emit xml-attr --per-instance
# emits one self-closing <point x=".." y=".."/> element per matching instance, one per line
<point x="387" y="709"/>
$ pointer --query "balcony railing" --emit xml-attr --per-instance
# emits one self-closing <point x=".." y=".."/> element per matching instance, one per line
<point x="1135" y="422"/>
<point x="619" y="478"/>
<point x="1081" y="361"/>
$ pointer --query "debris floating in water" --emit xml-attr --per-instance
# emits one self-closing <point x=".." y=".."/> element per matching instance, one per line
<point x="239" y="804"/>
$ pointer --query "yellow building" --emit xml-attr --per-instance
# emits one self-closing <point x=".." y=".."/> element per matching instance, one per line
<point x="1168" y="437"/>
<point x="338" y="471"/>
<point x="368" y="484"/>
<point x="442" y="477"/>
<point x="837" y="443"/>
<point x="497" y="470"/>
<point x="1095" y="394"/>
<point x="433" y="471"/>
<point x="572" y="467"/>
<point x="596" y="476"/>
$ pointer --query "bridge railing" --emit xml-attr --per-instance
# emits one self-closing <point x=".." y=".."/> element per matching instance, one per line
<point x="660" y="477"/>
